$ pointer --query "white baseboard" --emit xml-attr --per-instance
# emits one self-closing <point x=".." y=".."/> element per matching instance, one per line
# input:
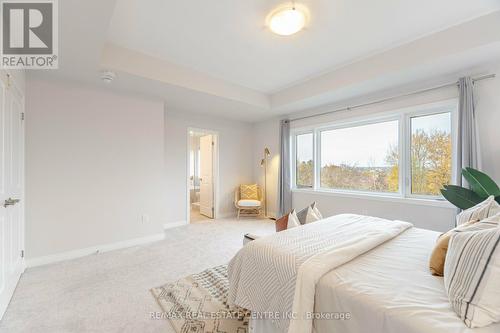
<point x="176" y="224"/>
<point x="74" y="254"/>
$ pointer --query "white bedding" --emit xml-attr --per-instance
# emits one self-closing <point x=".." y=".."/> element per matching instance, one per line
<point x="390" y="290"/>
<point x="291" y="263"/>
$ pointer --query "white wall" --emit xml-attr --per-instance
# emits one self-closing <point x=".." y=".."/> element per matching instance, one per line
<point x="488" y="114"/>
<point x="94" y="166"/>
<point x="422" y="216"/>
<point x="235" y="159"/>
<point x="97" y="161"/>
<point x="431" y="217"/>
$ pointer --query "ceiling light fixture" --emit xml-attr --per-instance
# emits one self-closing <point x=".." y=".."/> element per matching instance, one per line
<point x="287" y="19"/>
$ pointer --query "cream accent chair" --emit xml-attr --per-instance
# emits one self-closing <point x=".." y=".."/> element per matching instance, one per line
<point x="248" y="208"/>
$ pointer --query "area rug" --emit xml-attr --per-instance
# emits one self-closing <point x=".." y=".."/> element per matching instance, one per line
<point x="198" y="304"/>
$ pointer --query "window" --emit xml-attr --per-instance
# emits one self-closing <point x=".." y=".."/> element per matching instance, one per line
<point x="363" y="158"/>
<point x="431" y="153"/>
<point x="409" y="153"/>
<point x="304" y="166"/>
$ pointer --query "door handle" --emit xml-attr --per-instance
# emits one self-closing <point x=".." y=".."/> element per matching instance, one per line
<point x="10" y="202"/>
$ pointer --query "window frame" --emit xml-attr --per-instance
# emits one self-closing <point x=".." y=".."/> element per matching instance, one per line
<point x="294" y="158"/>
<point x="358" y="123"/>
<point x="403" y="116"/>
<point x="453" y="126"/>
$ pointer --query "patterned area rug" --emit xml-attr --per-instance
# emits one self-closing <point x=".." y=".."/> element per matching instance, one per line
<point x="198" y="304"/>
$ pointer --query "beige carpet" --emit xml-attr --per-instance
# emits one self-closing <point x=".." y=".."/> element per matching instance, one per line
<point x="110" y="292"/>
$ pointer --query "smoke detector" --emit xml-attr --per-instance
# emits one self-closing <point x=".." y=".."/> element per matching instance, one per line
<point x="107" y="76"/>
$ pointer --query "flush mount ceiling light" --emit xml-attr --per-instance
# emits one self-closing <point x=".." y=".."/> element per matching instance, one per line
<point x="287" y="19"/>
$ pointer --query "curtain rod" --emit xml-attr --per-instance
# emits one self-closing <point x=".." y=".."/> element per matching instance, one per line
<point x="421" y="91"/>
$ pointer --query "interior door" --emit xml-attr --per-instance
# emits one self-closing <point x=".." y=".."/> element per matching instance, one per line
<point x="206" y="176"/>
<point x="11" y="191"/>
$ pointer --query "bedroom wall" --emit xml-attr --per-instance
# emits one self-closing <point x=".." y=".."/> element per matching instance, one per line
<point x="235" y="159"/>
<point x="435" y="217"/>
<point x="488" y="117"/>
<point x="106" y="170"/>
<point x="94" y="167"/>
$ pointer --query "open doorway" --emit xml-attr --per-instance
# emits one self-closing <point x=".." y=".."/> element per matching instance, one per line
<point x="202" y="175"/>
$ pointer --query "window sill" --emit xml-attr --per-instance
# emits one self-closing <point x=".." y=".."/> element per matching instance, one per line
<point x="378" y="197"/>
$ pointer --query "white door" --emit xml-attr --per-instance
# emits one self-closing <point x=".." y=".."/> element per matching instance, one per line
<point x="206" y="176"/>
<point x="11" y="191"/>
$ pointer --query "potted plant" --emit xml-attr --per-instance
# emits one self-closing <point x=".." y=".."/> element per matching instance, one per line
<point x="482" y="186"/>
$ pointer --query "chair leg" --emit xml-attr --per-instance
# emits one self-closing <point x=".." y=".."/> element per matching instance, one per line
<point x="239" y="213"/>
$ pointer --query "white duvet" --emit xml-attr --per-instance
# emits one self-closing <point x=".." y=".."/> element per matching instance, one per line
<point x="279" y="273"/>
<point x="390" y="290"/>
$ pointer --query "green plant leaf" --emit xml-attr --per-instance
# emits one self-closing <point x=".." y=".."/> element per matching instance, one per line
<point x="461" y="197"/>
<point x="481" y="183"/>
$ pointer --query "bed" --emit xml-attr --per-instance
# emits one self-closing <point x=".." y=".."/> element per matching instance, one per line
<point x="387" y="289"/>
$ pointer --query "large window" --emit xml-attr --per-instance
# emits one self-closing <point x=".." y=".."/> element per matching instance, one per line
<point x="363" y="158"/>
<point x="431" y="153"/>
<point x="407" y="154"/>
<point x="304" y="166"/>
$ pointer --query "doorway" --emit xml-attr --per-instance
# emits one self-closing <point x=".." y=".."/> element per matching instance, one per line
<point x="11" y="188"/>
<point x="202" y="175"/>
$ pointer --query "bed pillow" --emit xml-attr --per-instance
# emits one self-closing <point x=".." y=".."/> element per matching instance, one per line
<point x="287" y="221"/>
<point x="249" y="192"/>
<point x="482" y="210"/>
<point x="472" y="276"/>
<point x="309" y="214"/>
<point x="315" y="209"/>
<point x="438" y="256"/>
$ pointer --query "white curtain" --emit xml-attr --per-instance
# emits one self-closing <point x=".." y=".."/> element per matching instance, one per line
<point x="468" y="141"/>
<point x="284" y="185"/>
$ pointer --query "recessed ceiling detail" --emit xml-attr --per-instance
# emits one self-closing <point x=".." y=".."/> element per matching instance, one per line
<point x="222" y="60"/>
<point x="229" y="39"/>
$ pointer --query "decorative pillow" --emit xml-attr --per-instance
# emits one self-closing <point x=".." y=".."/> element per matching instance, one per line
<point x="438" y="256"/>
<point x="309" y="215"/>
<point x="472" y="276"/>
<point x="315" y="209"/>
<point x="287" y="221"/>
<point x="249" y="192"/>
<point x="492" y="221"/>
<point x="482" y="210"/>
